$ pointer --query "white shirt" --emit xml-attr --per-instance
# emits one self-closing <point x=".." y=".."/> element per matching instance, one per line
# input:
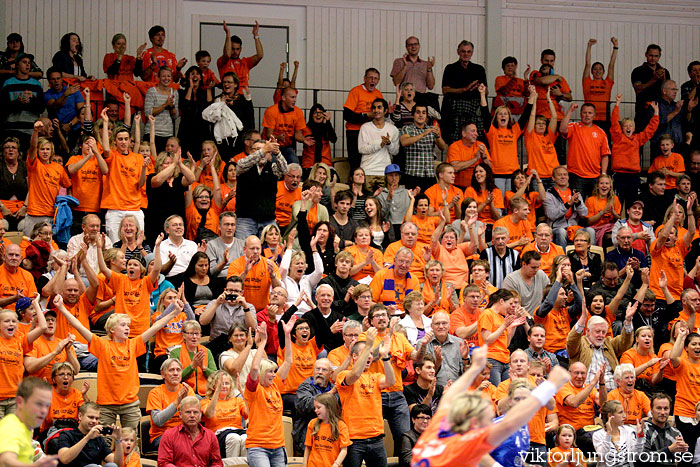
<point x="74" y="247"/>
<point x="375" y="158"/>
<point x="307" y="282"/>
<point x="183" y="253"/>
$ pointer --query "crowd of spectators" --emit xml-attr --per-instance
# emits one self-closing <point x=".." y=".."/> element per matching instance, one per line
<point x="485" y="310"/>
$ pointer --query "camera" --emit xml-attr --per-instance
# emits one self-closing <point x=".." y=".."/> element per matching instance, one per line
<point x="231" y="296"/>
<point x="106" y="430"/>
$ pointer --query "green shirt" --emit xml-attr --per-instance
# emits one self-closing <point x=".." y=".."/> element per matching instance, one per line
<point x="16" y="437"/>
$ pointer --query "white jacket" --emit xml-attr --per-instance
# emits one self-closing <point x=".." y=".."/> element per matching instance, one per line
<point x="226" y="123"/>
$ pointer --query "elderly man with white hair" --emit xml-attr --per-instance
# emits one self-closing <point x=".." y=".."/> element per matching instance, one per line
<point x="636" y="403"/>
<point x="595" y="349"/>
<point x="326" y="324"/>
<point x="625" y="253"/>
<point x="451" y="352"/>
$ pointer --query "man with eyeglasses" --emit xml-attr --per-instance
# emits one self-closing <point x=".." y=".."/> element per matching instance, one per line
<point x="625" y="254"/>
<point x="250" y="137"/>
<point x="391" y="284"/>
<point x="340" y="357"/>
<point x="451" y="352"/>
<point x="270" y="315"/>
<point x="288" y="192"/>
<point x="670" y="116"/>
<point x="544" y="246"/>
<point x="410" y="68"/>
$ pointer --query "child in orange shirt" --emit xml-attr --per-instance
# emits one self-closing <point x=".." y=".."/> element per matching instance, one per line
<point x="603" y="209"/>
<point x="327" y="436"/>
<point x="539" y="142"/>
<point x="668" y="163"/>
<point x="565" y="453"/>
<point x="203" y="59"/>
<point x="132" y="458"/>
<point x="521" y="185"/>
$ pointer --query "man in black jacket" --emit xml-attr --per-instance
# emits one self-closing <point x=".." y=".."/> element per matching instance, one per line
<point x="663" y="444"/>
<point x="306" y="392"/>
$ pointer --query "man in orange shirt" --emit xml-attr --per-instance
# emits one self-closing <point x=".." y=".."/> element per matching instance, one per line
<point x="359" y="390"/>
<point x="444" y="194"/>
<point x="288" y="192"/>
<point x="589" y="151"/>
<point x="544" y="246"/>
<point x="164" y="401"/>
<point x="231" y="59"/>
<point x="285" y="122"/>
<point x="15" y="282"/>
<point x="519" y="228"/>
<point x="464" y="321"/>
<point x="357" y="111"/>
<point x="391" y="285"/>
<point x="465" y="154"/>
<point x="409" y="239"/>
<point x="259" y="275"/>
<point x="157" y="56"/>
<point x="576" y="400"/>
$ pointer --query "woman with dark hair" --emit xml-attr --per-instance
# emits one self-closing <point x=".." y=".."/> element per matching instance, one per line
<point x="200" y="288"/>
<point x="359" y="190"/>
<point x="69" y="59"/>
<point x="15" y="46"/>
<point x="242" y="106"/>
<point x="521" y="186"/>
<point x="327" y="243"/>
<point x="320" y="129"/>
<point x="194" y="98"/>
<point x="229" y="181"/>
<point x="483" y="190"/>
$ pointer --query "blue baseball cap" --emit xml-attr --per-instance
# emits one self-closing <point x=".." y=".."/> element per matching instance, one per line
<point x="391" y="169"/>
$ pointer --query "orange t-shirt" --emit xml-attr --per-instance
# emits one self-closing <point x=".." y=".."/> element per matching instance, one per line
<point x="229" y="413"/>
<point x="673" y="162"/>
<point x="637" y="404"/>
<point x="303" y="361"/>
<point x="547" y="258"/>
<point x="587" y="146"/>
<point x="20" y="281"/>
<point x="486" y="215"/>
<point x="555" y="456"/>
<point x="133" y="299"/>
<point x="670" y="260"/>
<point x="362" y="405"/>
<point x="44" y="181"/>
<point x="557" y="325"/>
<point x="283" y="125"/>
<point x="241" y="66"/>
<point x="516" y="231"/>
<point x="625" y="151"/>
<point x="80" y="310"/>
<point x="42" y="347"/>
<point x="400" y="353"/>
<point x="231" y="205"/>
<point x="265" y="429"/>
<point x="171" y="334"/>
<point x="685" y="316"/>
<point x="462" y="318"/>
<point x="308" y="155"/>
<point x="104" y="293"/>
<point x="438" y="447"/>
<point x="687" y="378"/>
<point x="455" y="264"/>
<point x="633" y="357"/>
<point x="504" y="149"/>
<point x="87" y="184"/>
<point x="284" y="201"/>
<point x="161" y="59"/>
<point x="194" y="218"/>
<point x="417" y="268"/>
<point x="435" y="194"/>
<point x="541" y="155"/>
<point x="426" y="227"/>
<point x="120" y="190"/>
<point x="459" y="152"/>
<point x="256" y="286"/>
<point x="542" y="105"/>
<point x="359" y="257"/>
<point x="596" y="204"/>
<point x="158" y="399"/>
<point x="63" y="407"/>
<point x="338" y="355"/>
<point x="205" y="177"/>
<point x="516" y="86"/>
<point x="577" y="417"/>
<point x="597" y="92"/>
<point x="118" y="372"/>
<point x="533" y="201"/>
<point x="359" y="100"/>
<point x="324" y="447"/>
<point x="12" y="352"/>
<point x="489" y="320"/>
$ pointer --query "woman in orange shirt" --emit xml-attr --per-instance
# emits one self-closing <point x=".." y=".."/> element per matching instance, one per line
<point x="462" y="430"/>
<point x="210" y="157"/>
<point x="228" y="187"/>
<point x="603" y="209"/>
<point x="86" y="172"/>
<point x="539" y="141"/>
<point x="642" y="357"/>
<point x="117" y="373"/>
<point x="521" y="185"/>
<point x="426" y="224"/>
<point x="367" y="258"/>
<point x="483" y="190"/>
<point x="596" y="89"/>
<point x="202" y="209"/>
<point x="222" y="412"/>
<point x="437" y="292"/>
<point x="327" y="436"/>
<point x="272" y="245"/>
<point x="265" y="435"/>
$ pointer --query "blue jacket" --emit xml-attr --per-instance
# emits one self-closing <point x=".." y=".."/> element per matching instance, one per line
<point x="63" y="219"/>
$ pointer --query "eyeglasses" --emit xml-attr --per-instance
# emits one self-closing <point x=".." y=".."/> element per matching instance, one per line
<point x="192" y="333"/>
<point x="380" y="315"/>
<point x="423" y="418"/>
<point x="412" y="44"/>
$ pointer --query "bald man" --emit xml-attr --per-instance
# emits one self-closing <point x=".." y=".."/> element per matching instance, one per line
<point x="519" y="368"/>
<point x="576" y="401"/>
<point x="90" y="226"/>
<point x="258" y="273"/>
<point x="15" y="282"/>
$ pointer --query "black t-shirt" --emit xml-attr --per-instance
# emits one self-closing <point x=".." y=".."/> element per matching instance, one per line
<point x="414" y="395"/>
<point x="456" y="76"/>
<point x="642" y="74"/>
<point x="94" y="451"/>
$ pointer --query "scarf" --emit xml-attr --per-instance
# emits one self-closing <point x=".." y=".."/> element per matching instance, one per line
<point x="390" y="296"/>
<point x="197" y="380"/>
<point x="442" y="299"/>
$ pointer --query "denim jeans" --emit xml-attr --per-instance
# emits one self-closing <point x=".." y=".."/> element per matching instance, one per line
<point x="395" y="412"/>
<point x="263" y="457"/>
<point x="290" y="154"/>
<point x="582" y="185"/>
<point x="499" y="372"/>
<point x="369" y="450"/>
<point x="88" y="363"/>
<point x="245" y="227"/>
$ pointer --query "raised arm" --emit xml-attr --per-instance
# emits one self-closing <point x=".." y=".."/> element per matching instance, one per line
<point x="178" y="306"/>
<point x="72" y="320"/>
<point x="613" y="58"/>
<point x="532" y="99"/>
<point x="564" y="125"/>
<point x="457" y="388"/>
<point x="157" y="263"/>
<point x="587" y="65"/>
<point x="258" y="45"/>
<point x="615" y="302"/>
<point x="359" y="366"/>
<point x="284" y="368"/>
